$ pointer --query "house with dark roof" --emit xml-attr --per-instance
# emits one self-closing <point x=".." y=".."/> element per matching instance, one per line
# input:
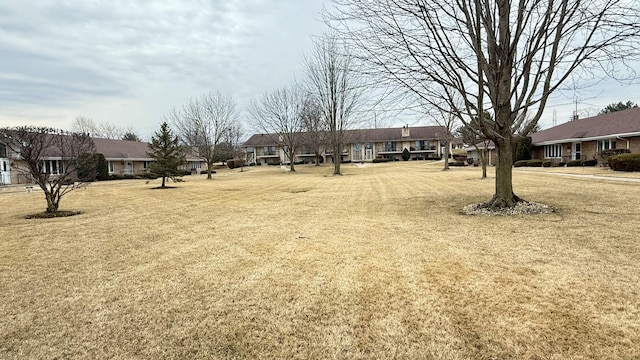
<point x="584" y="139"/>
<point x="423" y="142"/>
<point x="123" y="158"/>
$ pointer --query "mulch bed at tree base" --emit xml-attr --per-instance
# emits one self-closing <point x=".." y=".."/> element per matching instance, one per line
<point x="49" y="215"/>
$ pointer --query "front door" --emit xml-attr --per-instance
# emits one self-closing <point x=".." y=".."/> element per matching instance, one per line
<point x="576" y="151"/>
<point x="5" y="172"/>
<point x="128" y="169"/>
<point x="368" y="153"/>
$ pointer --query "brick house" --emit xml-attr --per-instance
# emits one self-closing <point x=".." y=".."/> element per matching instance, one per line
<point x="583" y="139"/>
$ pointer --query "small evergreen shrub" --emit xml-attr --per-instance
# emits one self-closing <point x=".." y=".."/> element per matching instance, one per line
<point x="406" y="154"/>
<point x="593" y="162"/>
<point x="625" y="162"/>
<point x="562" y="164"/>
<point x="546" y="163"/>
<point x="572" y="163"/>
<point x="456" y="163"/>
<point x="381" y="160"/>
<point x="534" y="163"/>
<point x="520" y="163"/>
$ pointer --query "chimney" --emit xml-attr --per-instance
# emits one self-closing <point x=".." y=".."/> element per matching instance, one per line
<point x="405" y="131"/>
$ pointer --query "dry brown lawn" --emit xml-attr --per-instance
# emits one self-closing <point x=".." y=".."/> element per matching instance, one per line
<point x="376" y="264"/>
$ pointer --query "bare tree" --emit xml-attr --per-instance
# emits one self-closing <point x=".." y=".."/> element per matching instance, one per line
<point x="234" y="136"/>
<point x="105" y="130"/>
<point x="279" y="114"/>
<point x="314" y="126"/>
<point x="52" y="159"/>
<point x="202" y="122"/>
<point x="332" y="80"/>
<point x="472" y="135"/>
<point x="497" y="55"/>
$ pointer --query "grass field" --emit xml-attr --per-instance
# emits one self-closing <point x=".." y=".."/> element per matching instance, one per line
<point x="376" y="264"/>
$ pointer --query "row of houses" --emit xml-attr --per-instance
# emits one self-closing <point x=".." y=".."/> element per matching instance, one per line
<point x="581" y="139"/>
<point x="123" y="158"/>
<point x="423" y="142"/>
<point x="574" y="140"/>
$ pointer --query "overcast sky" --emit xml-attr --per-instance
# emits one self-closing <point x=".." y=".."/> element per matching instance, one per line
<point x="131" y="62"/>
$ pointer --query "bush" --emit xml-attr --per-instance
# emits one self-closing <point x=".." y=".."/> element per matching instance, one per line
<point x="572" y="163"/>
<point x="534" y="163"/>
<point x="520" y="163"/>
<point x="202" y="172"/>
<point x="406" y="154"/>
<point x="562" y="164"/>
<point x="604" y="155"/>
<point x="381" y="160"/>
<point x="236" y="163"/>
<point x="625" y="162"/>
<point x="456" y="163"/>
<point x="589" y="162"/>
<point x="102" y="167"/>
<point x="546" y="163"/>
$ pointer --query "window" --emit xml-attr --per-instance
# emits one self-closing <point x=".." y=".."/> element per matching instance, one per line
<point x="145" y="165"/>
<point x="422" y="145"/>
<point x="52" y="167"/>
<point x="357" y="146"/>
<point x="389" y="146"/>
<point x="368" y="146"/>
<point x="3" y="151"/>
<point x="269" y="150"/>
<point x="110" y="164"/>
<point x="606" y="144"/>
<point x="552" y="151"/>
<point x="195" y="164"/>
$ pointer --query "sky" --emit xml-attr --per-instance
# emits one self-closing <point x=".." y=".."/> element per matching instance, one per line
<point x="130" y="62"/>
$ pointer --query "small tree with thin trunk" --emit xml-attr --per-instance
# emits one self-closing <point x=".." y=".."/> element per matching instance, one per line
<point x="52" y="159"/>
<point x="315" y="128"/>
<point x="279" y="114"/>
<point x="201" y="124"/>
<point x="167" y="154"/>
<point x="333" y="81"/>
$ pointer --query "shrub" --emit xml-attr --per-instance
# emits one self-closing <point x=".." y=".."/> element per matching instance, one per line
<point x="520" y="163"/>
<point x="406" y="154"/>
<point x="102" y="167"/>
<point x="625" y="162"/>
<point x="456" y="163"/>
<point x="562" y="164"/>
<point x="381" y="160"/>
<point x="236" y="163"/>
<point x="546" y="163"/>
<point x="604" y="155"/>
<point x="202" y="172"/>
<point x="572" y="163"/>
<point x="593" y="162"/>
<point x="534" y="163"/>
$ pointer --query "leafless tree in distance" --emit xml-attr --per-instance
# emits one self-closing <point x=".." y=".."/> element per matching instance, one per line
<point x="315" y="128"/>
<point x="333" y="81"/>
<point x="202" y="122"/>
<point x="502" y="56"/>
<point x="279" y="114"/>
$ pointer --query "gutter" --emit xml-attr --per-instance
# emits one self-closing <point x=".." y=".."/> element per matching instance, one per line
<point x="593" y="138"/>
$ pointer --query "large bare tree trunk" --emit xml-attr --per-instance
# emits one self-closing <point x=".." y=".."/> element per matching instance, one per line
<point x="504" y="196"/>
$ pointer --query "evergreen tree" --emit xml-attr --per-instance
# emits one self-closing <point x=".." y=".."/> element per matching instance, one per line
<point x="167" y="153"/>
<point x="613" y="107"/>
